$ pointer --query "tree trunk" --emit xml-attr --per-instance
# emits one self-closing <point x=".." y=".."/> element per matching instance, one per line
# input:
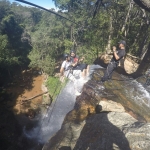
<point x="71" y="33"/>
<point x="144" y="65"/>
<point x="108" y="47"/>
<point x="145" y="4"/>
<point x="127" y="18"/>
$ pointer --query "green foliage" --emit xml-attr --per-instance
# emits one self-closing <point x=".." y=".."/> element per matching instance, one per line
<point x="49" y="65"/>
<point x="89" y="53"/>
<point x="68" y="45"/>
<point x="34" y="56"/>
<point x="4" y="8"/>
<point x="63" y="4"/>
<point x="30" y="35"/>
<point x="54" y="86"/>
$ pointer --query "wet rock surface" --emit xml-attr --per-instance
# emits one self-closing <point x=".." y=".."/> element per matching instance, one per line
<point x="104" y="118"/>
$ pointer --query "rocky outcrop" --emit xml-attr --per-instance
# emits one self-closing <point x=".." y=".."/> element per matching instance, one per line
<point x="107" y="131"/>
<point x="110" y="106"/>
<point x="102" y="120"/>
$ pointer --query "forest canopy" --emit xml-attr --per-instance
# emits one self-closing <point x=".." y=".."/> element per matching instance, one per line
<point x="31" y="37"/>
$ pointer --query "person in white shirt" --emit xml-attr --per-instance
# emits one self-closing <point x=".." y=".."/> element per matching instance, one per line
<point x="66" y="71"/>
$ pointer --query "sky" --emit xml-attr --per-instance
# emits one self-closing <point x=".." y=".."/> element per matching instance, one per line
<point x="43" y="3"/>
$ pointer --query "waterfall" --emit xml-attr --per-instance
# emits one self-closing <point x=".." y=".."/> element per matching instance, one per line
<point x="138" y="93"/>
<point x="51" y="121"/>
<point x="58" y="110"/>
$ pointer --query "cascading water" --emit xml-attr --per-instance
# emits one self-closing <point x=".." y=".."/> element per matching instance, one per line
<point x="55" y="116"/>
<point x="133" y="94"/>
<point x="137" y="91"/>
<point x="140" y="95"/>
<point x="51" y="122"/>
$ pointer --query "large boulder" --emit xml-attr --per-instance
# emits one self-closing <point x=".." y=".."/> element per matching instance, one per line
<point x="103" y="118"/>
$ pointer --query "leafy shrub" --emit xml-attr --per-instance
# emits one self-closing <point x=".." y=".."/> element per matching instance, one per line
<point x="54" y="86"/>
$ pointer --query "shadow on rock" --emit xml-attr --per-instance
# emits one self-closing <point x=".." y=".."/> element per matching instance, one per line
<point x="65" y="148"/>
<point x="100" y="134"/>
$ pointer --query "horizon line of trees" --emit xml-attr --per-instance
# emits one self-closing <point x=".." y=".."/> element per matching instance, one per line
<point x="31" y="37"/>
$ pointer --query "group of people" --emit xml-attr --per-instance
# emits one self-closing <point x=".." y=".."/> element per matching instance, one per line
<point x="72" y="64"/>
<point x="73" y="67"/>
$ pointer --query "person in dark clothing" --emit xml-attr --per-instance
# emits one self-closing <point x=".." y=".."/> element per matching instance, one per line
<point x="117" y="56"/>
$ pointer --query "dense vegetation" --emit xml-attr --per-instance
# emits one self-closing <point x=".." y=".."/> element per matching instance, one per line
<point x="31" y="37"/>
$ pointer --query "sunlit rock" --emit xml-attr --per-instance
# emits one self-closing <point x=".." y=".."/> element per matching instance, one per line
<point x="111" y="106"/>
<point x="109" y="116"/>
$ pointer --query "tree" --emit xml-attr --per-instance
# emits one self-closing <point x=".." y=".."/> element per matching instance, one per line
<point x="145" y="4"/>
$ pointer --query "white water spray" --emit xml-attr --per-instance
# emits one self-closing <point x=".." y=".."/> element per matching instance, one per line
<point x="51" y="122"/>
<point x="139" y="94"/>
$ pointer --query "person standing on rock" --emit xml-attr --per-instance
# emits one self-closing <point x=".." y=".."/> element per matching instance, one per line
<point x="117" y="56"/>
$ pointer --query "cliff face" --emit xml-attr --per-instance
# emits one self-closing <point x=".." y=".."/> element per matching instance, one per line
<point x="104" y="118"/>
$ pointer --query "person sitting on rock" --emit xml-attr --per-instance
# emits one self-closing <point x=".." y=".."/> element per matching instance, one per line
<point x="77" y="64"/>
<point x="66" y="71"/>
<point x="117" y="56"/>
